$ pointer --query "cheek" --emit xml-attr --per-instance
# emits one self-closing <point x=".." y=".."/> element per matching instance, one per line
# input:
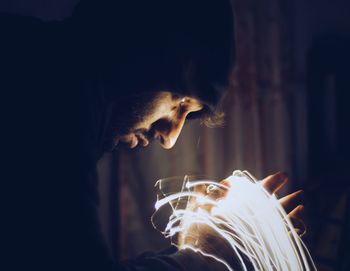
<point x="164" y="125"/>
<point x="183" y="112"/>
<point x="168" y="118"/>
<point x="149" y="120"/>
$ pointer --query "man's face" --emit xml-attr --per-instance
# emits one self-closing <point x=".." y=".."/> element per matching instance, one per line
<point x="158" y="116"/>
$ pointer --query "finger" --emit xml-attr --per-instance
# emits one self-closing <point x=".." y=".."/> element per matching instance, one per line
<point x="193" y="201"/>
<point x="217" y="192"/>
<point x="221" y="191"/>
<point x="299" y="226"/>
<point x="201" y="189"/>
<point x="296" y="218"/>
<point x="299" y="232"/>
<point x="290" y="201"/>
<point x="298" y="213"/>
<point x="226" y="183"/>
<point x="275" y="182"/>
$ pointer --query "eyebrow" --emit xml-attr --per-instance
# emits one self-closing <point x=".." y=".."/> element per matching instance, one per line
<point x="176" y="97"/>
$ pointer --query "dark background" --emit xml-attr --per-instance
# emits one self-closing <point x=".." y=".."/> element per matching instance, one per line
<point x="287" y="109"/>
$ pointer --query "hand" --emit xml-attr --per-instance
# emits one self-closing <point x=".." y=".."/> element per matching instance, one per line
<point x="291" y="203"/>
<point x="203" y="237"/>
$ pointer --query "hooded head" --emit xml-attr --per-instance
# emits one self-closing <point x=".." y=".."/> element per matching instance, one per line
<point x="183" y="47"/>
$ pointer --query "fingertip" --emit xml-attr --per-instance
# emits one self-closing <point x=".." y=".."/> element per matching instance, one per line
<point x="226" y="183"/>
<point x="298" y="231"/>
<point x="300" y="194"/>
<point x="299" y="212"/>
<point x="275" y="182"/>
<point x="283" y="175"/>
<point x="301" y="208"/>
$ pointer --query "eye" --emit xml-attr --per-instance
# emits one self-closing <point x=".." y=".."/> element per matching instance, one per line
<point x="183" y="101"/>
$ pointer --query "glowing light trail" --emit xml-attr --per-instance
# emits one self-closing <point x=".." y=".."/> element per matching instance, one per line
<point x="242" y="214"/>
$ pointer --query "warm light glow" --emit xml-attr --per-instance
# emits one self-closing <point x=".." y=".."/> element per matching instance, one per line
<point x="243" y="214"/>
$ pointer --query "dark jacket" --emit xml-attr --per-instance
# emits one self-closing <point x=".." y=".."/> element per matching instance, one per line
<point x="57" y="81"/>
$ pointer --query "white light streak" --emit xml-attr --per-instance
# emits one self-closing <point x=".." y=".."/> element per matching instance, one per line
<point x="244" y="215"/>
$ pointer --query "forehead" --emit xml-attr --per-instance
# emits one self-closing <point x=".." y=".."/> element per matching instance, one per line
<point x="166" y="102"/>
<point x="175" y="97"/>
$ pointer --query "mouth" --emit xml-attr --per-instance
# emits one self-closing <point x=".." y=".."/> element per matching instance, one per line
<point x="135" y="139"/>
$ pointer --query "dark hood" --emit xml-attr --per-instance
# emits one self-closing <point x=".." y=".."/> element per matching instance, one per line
<point x="182" y="46"/>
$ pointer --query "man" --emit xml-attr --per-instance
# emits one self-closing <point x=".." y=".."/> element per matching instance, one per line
<point x="116" y="72"/>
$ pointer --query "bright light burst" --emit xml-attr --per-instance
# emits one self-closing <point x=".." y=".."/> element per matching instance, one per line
<point x="239" y="212"/>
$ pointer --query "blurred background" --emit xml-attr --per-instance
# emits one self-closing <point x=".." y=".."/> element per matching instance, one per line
<point x="286" y="110"/>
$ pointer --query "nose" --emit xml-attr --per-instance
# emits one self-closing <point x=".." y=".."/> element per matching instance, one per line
<point x="167" y="131"/>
